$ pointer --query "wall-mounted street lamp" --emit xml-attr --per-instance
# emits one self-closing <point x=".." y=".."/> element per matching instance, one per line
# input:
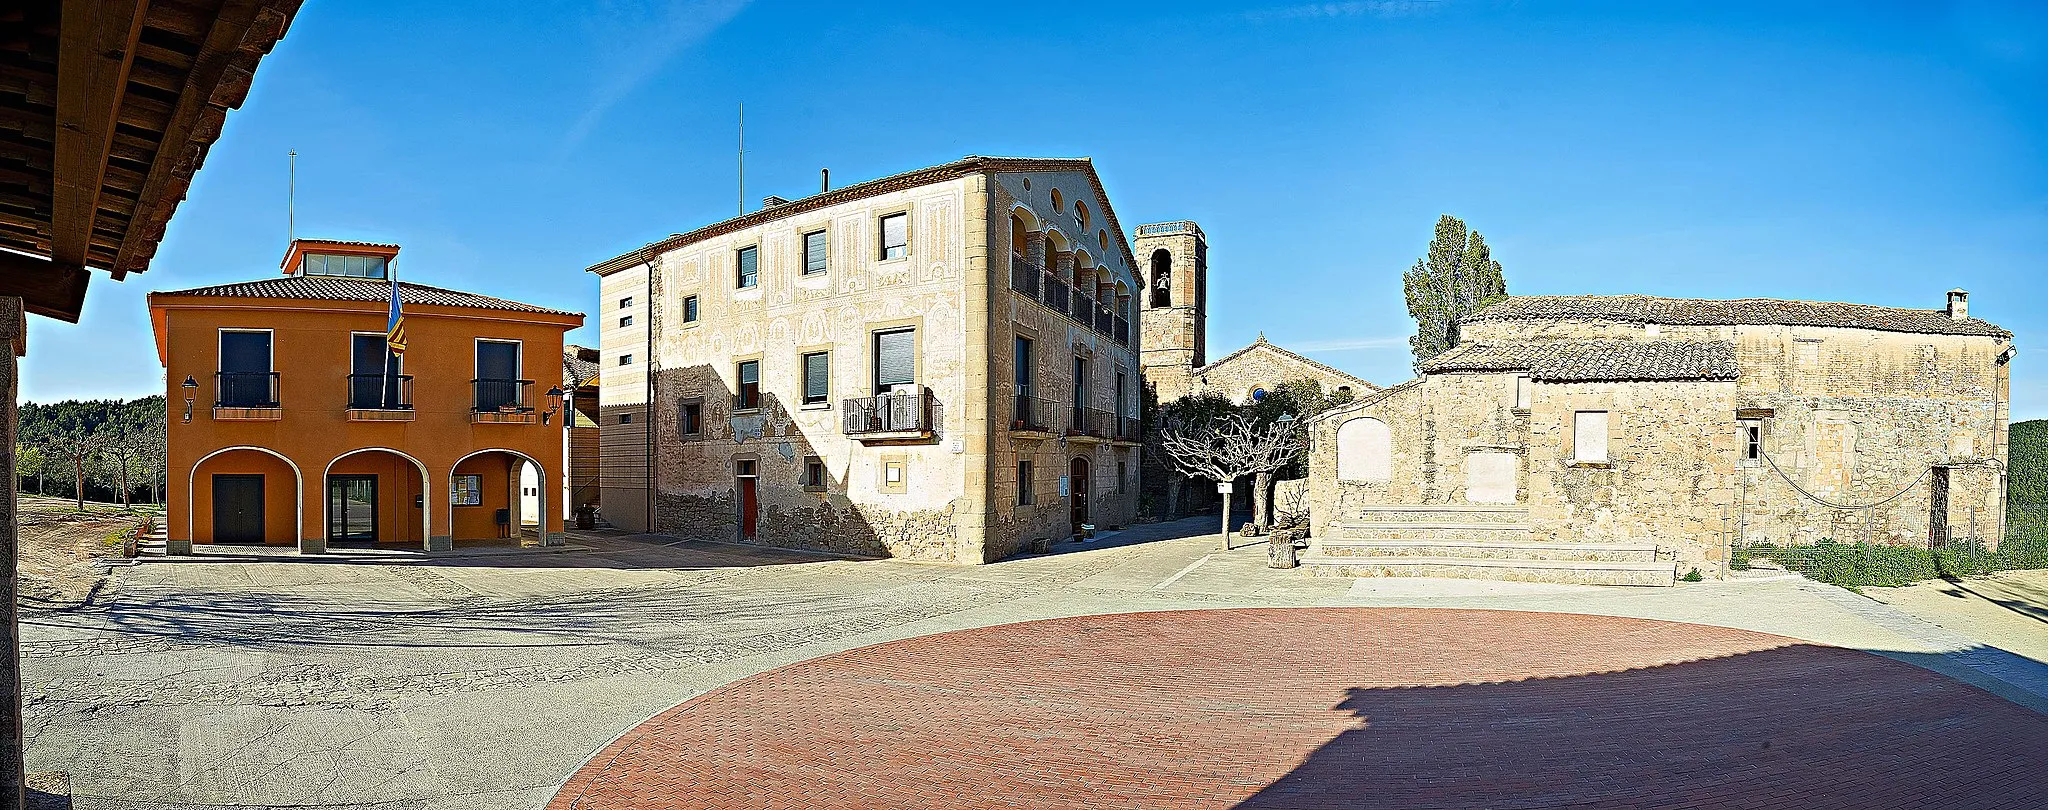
<point x="191" y="387"/>
<point x="554" y="404"/>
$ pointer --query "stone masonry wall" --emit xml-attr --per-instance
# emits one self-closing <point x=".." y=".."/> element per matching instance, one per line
<point x="1263" y="366"/>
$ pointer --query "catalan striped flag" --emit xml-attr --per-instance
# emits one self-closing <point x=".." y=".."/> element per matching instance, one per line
<point x="394" y="335"/>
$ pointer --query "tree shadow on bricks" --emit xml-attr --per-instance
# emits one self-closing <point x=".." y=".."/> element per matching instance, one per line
<point x="1795" y="726"/>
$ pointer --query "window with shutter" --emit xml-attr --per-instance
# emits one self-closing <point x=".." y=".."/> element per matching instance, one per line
<point x="895" y="236"/>
<point x="817" y="377"/>
<point x="690" y="309"/>
<point x="749" y="267"/>
<point x="1589" y="437"/>
<point x="750" y="386"/>
<point x="814" y="252"/>
<point x="895" y="359"/>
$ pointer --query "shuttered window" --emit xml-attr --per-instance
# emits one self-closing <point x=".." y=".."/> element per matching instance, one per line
<point x="749" y="267"/>
<point x="690" y="309"/>
<point x="895" y="236"/>
<point x="817" y="377"/>
<point x="750" y="386"/>
<point x="895" y="359"/>
<point x="1589" y="437"/>
<point x="814" y="252"/>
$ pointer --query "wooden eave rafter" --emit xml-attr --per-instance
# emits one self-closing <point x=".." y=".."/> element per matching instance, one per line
<point x="107" y="108"/>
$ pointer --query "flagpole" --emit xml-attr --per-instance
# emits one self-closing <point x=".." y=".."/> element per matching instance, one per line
<point x="390" y="270"/>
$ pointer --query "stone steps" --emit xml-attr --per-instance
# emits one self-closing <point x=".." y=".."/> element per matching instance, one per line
<point x="1521" y="549"/>
<point x="1578" y="572"/>
<point x="1431" y="530"/>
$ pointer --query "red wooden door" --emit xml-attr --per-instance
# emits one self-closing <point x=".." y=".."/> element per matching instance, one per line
<point x="750" y="504"/>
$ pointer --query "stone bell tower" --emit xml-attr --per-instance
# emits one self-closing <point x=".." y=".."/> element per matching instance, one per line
<point x="1173" y="263"/>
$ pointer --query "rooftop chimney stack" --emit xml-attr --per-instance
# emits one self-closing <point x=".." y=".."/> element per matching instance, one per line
<point x="772" y="201"/>
<point x="824" y="180"/>
<point x="1959" y="304"/>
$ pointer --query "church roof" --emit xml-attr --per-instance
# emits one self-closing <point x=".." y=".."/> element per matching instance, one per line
<point x="1262" y="342"/>
<point x="1596" y="360"/>
<point x="1733" y="312"/>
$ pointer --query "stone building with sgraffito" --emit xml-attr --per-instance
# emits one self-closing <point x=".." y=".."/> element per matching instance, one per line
<point x="1630" y="439"/>
<point x="935" y="365"/>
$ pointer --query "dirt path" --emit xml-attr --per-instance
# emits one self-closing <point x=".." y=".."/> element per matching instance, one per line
<point x="2008" y="609"/>
<point x="64" y="551"/>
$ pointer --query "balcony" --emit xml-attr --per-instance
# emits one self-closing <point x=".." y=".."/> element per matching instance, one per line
<point x="246" y="396"/>
<point x="1085" y="424"/>
<point x="1029" y="414"/>
<point x="1024" y="276"/>
<point x="901" y="418"/>
<point x="502" y="402"/>
<point x="379" y="398"/>
<point x="1046" y="287"/>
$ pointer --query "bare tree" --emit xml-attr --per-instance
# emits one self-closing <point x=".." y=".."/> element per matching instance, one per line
<point x="75" y="444"/>
<point x="1230" y="447"/>
<point x="125" y="448"/>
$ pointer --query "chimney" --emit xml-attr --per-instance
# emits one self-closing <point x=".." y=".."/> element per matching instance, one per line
<point x="771" y="201"/>
<point x="824" y="180"/>
<point x="1959" y="304"/>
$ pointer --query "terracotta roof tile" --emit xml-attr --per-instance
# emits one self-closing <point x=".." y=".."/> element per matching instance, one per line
<point x="1734" y="312"/>
<point x="336" y="288"/>
<point x="1596" y="360"/>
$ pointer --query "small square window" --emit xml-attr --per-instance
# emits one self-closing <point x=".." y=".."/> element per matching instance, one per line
<point x="469" y="490"/>
<point x="814" y="473"/>
<point x="689" y="309"/>
<point x="895" y="236"/>
<point x="689" y="418"/>
<point x="1752" y="441"/>
<point x="626" y="321"/>
<point x="625" y="359"/>
<point x="814" y="252"/>
<point x="626" y="302"/>
<point x="748" y="267"/>
<point x="625" y="419"/>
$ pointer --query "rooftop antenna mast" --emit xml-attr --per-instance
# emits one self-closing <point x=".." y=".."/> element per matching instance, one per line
<point x="743" y="158"/>
<point x="291" y="198"/>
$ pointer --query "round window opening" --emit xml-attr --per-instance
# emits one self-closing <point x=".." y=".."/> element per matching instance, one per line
<point x="1258" y="395"/>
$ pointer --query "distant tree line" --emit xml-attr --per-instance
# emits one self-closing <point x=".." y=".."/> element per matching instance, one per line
<point x="99" y="449"/>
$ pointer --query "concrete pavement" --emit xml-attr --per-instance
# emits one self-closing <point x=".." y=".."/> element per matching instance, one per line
<point x="486" y="681"/>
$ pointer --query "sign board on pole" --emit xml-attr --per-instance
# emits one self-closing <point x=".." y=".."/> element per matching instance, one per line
<point x="1223" y="489"/>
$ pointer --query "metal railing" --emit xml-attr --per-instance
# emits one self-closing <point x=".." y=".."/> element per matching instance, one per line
<point x="1126" y="428"/>
<point x="1024" y="276"/>
<point x="1097" y="422"/>
<point x="1164" y="228"/>
<point x="1105" y="321"/>
<point x="891" y="413"/>
<point x="1057" y="291"/>
<point x="380" y="392"/>
<point x="499" y="396"/>
<point x="1032" y="413"/>
<point x="245" y="389"/>
<point x="1084" y="307"/>
<point x="1122" y="331"/>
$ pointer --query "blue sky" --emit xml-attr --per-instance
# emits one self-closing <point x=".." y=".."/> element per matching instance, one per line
<point x="1871" y="152"/>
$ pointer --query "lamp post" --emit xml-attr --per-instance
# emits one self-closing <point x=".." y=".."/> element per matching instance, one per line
<point x="191" y="387"/>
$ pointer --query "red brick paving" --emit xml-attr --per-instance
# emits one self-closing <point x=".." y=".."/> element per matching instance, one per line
<point x="1332" y="708"/>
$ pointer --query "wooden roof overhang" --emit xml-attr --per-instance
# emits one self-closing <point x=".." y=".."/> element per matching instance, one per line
<point x="107" y="110"/>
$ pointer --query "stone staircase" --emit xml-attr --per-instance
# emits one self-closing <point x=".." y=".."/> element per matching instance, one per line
<point x="1474" y="542"/>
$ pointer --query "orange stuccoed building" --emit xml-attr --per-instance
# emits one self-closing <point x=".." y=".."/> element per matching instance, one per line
<point x="293" y="423"/>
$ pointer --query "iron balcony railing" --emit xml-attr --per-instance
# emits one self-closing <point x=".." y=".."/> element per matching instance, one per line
<point x="1097" y="422"/>
<point x="1032" y="413"/>
<point x="1084" y="307"/>
<point x="499" y="396"/>
<point x="1025" y="276"/>
<point x="891" y="413"/>
<point x="387" y="392"/>
<point x="1057" y="291"/>
<point x="245" y="389"/>
<point x="1123" y="331"/>
<point x="1105" y="321"/>
<point x="1126" y="429"/>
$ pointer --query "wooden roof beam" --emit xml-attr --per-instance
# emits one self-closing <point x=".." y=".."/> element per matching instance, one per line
<point x="47" y="288"/>
<point x="95" y="49"/>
